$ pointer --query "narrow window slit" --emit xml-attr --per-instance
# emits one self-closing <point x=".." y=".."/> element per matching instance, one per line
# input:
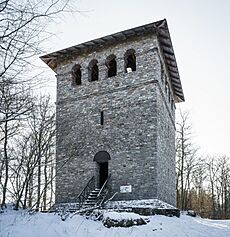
<point x="102" y="117"/>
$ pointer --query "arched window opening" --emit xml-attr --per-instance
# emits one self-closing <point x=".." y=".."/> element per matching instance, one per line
<point x="111" y="65"/>
<point x="93" y="70"/>
<point x="76" y="75"/>
<point x="130" y="61"/>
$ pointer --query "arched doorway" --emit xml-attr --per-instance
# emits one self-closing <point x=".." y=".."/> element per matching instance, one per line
<point x="102" y="158"/>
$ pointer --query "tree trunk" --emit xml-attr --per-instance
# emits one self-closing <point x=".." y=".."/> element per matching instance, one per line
<point x="6" y="162"/>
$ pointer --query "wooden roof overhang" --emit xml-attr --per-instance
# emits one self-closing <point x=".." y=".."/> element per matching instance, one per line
<point x="160" y="28"/>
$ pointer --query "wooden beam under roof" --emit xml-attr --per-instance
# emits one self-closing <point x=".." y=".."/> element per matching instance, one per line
<point x="160" y="28"/>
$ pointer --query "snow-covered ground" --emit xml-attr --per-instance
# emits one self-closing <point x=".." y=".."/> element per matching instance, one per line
<point x="21" y="224"/>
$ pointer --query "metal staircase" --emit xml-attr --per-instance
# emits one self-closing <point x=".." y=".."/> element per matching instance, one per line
<point x="84" y="194"/>
<point x="90" y="198"/>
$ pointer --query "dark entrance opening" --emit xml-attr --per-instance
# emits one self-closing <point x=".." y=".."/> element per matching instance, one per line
<point x="102" y="158"/>
<point x="103" y="173"/>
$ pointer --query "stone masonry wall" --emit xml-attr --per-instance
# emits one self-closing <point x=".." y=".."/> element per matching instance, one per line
<point x="166" y="172"/>
<point x="138" y="130"/>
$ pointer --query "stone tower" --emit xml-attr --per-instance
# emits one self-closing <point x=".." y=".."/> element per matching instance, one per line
<point x="115" y="106"/>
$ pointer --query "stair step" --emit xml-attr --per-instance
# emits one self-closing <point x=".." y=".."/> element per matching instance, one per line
<point x="86" y="206"/>
<point x="92" y="197"/>
<point x="90" y="201"/>
<point x="89" y="204"/>
<point x="72" y="209"/>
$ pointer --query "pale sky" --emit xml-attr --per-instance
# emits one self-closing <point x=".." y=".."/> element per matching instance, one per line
<point x="200" y="34"/>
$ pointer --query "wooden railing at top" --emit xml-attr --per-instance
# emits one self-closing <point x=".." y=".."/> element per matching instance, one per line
<point x="90" y="186"/>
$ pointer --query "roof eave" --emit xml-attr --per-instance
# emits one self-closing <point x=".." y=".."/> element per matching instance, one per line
<point x="162" y="32"/>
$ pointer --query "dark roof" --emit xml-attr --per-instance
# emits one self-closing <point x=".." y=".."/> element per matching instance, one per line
<point x="160" y="28"/>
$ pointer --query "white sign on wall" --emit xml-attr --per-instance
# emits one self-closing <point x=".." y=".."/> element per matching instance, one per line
<point x="126" y="189"/>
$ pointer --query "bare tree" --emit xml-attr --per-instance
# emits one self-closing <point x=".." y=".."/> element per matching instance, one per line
<point x="14" y="107"/>
<point x="22" y="169"/>
<point x="23" y="27"/>
<point x="43" y="127"/>
<point x="219" y="184"/>
<point x="187" y="159"/>
<point x="32" y="167"/>
<point x="203" y="184"/>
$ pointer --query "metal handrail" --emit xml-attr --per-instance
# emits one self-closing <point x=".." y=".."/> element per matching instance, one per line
<point x="92" y="178"/>
<point x="104" y="185"/>
<point x="85" y="191"/>
<point x="89" y="187"/>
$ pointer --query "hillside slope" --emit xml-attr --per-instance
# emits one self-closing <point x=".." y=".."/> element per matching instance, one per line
<point x="21" y="224"/>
